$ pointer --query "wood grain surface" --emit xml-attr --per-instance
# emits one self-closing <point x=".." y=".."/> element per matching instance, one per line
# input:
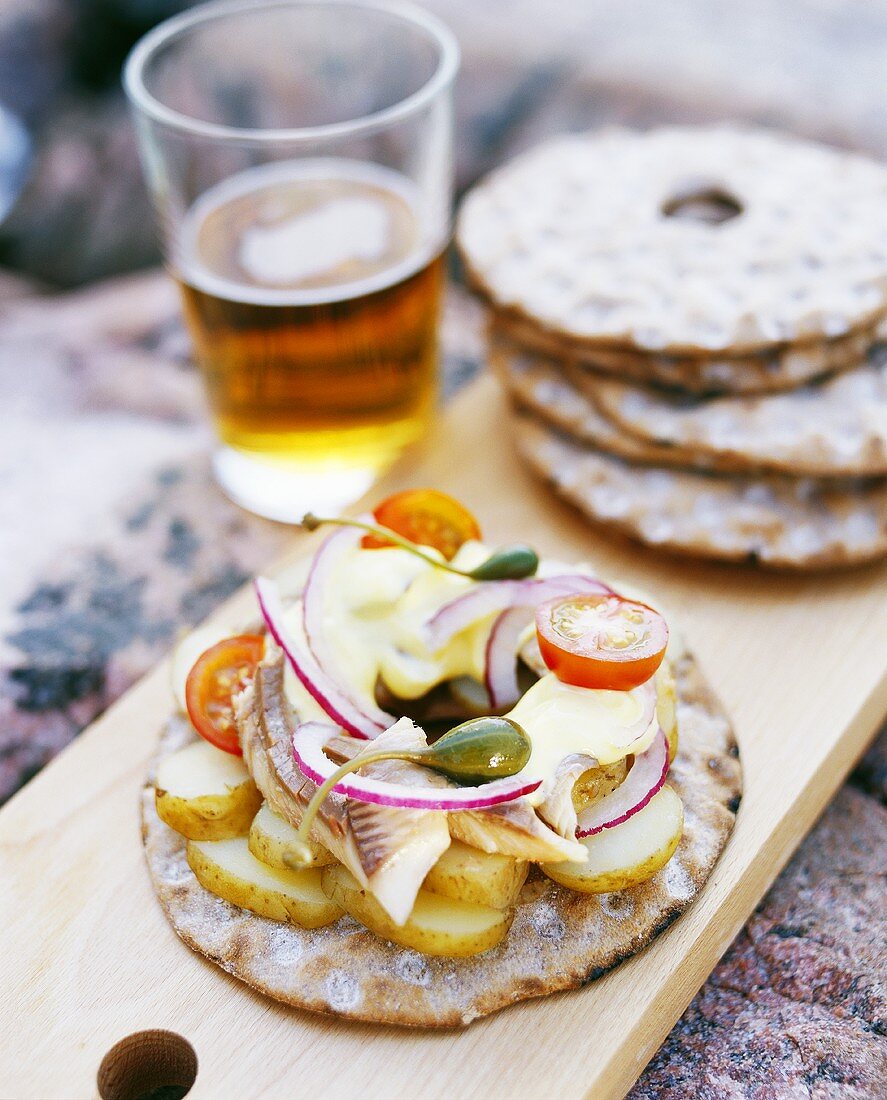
<point x="89" y="957"/>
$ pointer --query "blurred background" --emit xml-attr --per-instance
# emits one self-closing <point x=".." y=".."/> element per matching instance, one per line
<point x="109" y="394"/>
<point x="815" y="66"/>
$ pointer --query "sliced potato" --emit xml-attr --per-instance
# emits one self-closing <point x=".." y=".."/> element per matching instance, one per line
<point x="667" y="706"/>
<point x="597" y="783"/>
<point x="228" y="869"/>
<point x="205" y="794"/>
<point x="273" y="841"/>
<point x="629" y="853"/>
<point x="436" y="926"/>
<point x="483" y="878"/>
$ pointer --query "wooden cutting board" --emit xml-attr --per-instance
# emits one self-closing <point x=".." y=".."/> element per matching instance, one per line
<point x="88" y="957"/>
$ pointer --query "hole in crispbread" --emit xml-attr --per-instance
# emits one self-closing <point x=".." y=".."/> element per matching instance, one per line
<point x="148" y="1065"/>
<point x="707" y="203"/>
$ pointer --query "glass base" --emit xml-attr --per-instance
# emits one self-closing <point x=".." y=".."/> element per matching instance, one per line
<point x="285" y="491"/>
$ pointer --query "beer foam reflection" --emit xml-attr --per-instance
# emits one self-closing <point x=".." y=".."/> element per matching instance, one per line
<point x="306" y="232"/>
<point x="317" y="242"/>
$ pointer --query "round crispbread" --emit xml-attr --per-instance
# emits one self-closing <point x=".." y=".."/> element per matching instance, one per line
<point x="559" y="939"/>
<point x="579" y="237"/>
<point x="778" y="522"/>
<point x="772" y="371"/>
<point x="833" y="428"/>
<point x="537" y="383"/>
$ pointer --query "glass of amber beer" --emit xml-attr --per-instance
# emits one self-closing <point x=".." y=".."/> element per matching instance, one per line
<point x="299" y="153"/>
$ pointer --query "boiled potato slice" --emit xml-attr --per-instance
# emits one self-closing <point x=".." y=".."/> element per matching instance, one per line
<point x="272" y="840"/>
<point x="436" y="926"/>
<point x="629" y="853"/>
<point x="229" y="870"/>
<point x="484" y="878"/>
<point x="597" y="783"/>
<point x="205" y="794"/>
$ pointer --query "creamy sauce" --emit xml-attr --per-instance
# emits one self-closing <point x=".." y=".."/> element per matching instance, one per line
<point x="562" y="720"/>
<point x="375" y="609"/>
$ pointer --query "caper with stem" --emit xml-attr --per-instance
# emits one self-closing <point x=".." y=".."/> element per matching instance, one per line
<point x="475" y="752"/>
<point x="510" y="563"/>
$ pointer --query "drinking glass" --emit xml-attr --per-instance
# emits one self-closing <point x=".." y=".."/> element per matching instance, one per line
<point x="299" y="154"/>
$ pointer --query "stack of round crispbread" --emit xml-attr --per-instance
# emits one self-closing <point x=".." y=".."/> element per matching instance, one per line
<point x="690" y="322"/>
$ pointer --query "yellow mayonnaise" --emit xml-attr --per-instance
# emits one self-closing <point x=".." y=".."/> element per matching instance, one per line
<point x="376" y="607"/>
<point x="561" y="720"/>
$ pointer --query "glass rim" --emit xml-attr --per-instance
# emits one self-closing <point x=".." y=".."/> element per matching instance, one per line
<point x="165" y="32"/>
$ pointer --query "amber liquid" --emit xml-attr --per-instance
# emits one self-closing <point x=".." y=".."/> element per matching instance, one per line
<point x="313" y="305"/>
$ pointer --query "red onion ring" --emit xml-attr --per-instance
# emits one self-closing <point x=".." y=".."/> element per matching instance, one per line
<point x="490" y="596"/>
<point x="310" y="738"/>
<point x="322" y="688"/>
<point x="500" y="664"/>
<point x="328" y="556"/>
<point x="645" y="694"/>
<point x="646" y="777"/>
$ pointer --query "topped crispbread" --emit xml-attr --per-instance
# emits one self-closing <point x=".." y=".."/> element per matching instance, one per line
<point x="559" y="939"/>
<point x="586" y="237"/>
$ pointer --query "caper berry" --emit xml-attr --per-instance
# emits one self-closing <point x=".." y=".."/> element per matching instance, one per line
<point x="479" y="750"/>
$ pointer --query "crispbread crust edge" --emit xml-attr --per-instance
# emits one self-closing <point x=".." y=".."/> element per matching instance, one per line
<point x="830" y="558"/>
<point x="559" y="940"/>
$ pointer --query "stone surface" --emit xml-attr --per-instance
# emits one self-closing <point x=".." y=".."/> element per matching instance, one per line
<point x="798" y="1005"/>
<point x="100" y="615"/>
<point x="132" y="540"/>
<point x="871" y="773"/>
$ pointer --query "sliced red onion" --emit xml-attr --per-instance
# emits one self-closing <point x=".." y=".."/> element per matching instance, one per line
<point x="645" y="778"/>
<point x="327" y="558"/>
<point x="328" y="694"/>
<point x="491" y="596"/>
<point x="310" y="738"/>
<point x="500" y="671"/>
<point x="331" y="551"/>
<point x="646" y="695"/>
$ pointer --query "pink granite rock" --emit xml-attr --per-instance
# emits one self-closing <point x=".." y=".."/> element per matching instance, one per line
<point x="798" y="1006"/>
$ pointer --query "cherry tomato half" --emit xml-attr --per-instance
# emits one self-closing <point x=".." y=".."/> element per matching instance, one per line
<point x="219" y="673"/>
<point x="426" y="517"/>
<point x="601" y="641"/>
